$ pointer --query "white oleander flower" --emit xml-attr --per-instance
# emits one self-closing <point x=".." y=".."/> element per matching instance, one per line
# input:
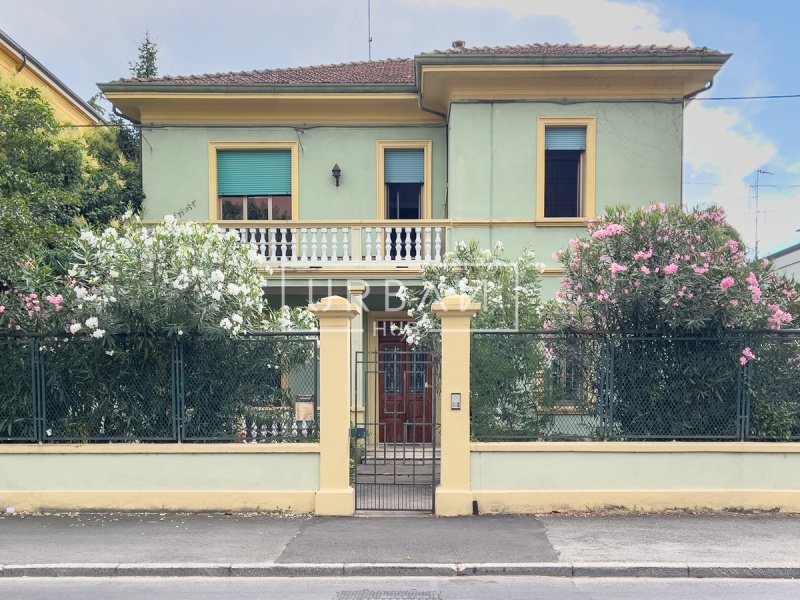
<point x="92" y="322"/>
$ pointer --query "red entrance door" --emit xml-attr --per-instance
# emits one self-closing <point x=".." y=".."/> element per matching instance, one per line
<point x="405" y="392"/>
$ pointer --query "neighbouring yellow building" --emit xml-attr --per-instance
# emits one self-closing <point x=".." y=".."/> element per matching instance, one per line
<point x="19" y="67"/>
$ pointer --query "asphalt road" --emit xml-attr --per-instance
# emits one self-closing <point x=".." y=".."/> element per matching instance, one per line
<point x="411" y="588"/>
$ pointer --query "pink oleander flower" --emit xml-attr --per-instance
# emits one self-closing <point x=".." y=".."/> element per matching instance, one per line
<point x="733" y="246"/>
<point x="558" y="254"/>
<point x="645" y="270"/>
<point x="643" y="255"/>
<point x="671" y="269"/>
<point x="617" y="268"/>
<point x="755" y="289"/>
<point x="700" y="270"/>
<point x="2" y="309"/>
<point x="747" y="356"/>
<point x="778" y="317"/>
<point x="55" y="300"/>
<point x="609" y="230"/>
<point x="727" y="283"/>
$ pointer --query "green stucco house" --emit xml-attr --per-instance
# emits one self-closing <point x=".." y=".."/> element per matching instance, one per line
<point x="349" y="177"/>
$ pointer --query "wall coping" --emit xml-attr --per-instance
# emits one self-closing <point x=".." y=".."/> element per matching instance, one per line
<point x="133" y="448"/>
<point x="640" y="447"/>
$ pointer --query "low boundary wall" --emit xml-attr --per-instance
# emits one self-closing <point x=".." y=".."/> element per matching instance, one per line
<point x="532" y="477"/>
<point x="192" y="477"/>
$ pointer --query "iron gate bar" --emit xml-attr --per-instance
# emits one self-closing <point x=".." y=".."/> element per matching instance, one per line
<point x="392" y="474"/>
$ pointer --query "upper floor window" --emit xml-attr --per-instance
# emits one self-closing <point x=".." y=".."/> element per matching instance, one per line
<point x="565" y="170"/>
<point x="404" y="190"/>
<point x="404" y="175"/>
<point x="255" y="182"/>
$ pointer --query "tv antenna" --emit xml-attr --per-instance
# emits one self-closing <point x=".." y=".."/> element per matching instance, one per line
<point x="369" y="30"/>
<point x="759" y="172"/>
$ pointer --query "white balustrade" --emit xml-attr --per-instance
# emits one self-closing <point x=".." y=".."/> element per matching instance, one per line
<point x="384" y="243"/>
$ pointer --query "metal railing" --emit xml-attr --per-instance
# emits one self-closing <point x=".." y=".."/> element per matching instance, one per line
<point x="546" y="385"/>
<point x="251" y="389"/>
<point x="304" y="243"/>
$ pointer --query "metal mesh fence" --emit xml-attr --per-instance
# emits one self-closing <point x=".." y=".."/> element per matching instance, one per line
<point x="555" y="386"/>
<point x="259" y="388"/>
<point x="114" y="392"/>
<point x="247" y="389"/>
<point x="17" y="400"/>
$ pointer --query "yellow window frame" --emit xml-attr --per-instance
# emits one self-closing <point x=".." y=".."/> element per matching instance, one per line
<point x="590" y="172"/>
<point x="427" y="197"/>
<point x="215" y="147"/>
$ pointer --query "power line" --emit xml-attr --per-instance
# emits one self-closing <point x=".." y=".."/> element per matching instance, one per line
<point x="771" y="97"/>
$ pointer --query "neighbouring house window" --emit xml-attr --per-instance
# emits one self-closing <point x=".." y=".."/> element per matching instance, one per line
<point x="254" y="185"/>
<point x="565" y="172"/>
<point x="404" y="177"/>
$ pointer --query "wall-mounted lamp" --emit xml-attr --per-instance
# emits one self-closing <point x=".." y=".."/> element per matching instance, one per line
<point x="337" y="172"/>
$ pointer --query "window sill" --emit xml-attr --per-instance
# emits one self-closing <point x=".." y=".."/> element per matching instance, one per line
<point x="563" y="222"/>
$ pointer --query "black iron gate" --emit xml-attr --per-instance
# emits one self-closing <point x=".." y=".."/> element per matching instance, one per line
<point x="393" y="438"/>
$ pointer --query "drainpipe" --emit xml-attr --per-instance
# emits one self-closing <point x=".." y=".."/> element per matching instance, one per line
<point x="22" y="65"/>
<point x="447" y="153"/>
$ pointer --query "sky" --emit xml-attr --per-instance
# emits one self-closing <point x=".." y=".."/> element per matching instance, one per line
<point x="726" y="141"/>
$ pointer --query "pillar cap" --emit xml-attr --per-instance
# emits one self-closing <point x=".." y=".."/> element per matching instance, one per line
<point x="333" y="306"/>
<point x="458" y="305"/>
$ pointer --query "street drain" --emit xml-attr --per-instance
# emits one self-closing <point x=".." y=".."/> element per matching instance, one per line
<point x="388" y="595"/>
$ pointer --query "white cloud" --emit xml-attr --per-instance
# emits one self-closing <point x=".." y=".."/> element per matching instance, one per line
<point x="719" y="141"/>
<point x="593" y="21"/>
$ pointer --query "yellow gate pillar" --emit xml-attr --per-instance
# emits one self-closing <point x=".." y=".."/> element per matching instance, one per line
<point x="335" y="496"/>
<point x="454" y="494"/>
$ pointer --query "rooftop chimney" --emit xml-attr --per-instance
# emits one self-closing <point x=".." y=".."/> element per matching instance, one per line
<point x="459" y="45"/>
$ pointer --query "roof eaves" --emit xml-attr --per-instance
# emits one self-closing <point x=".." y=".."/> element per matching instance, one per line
<point x="185" y="88"/>
<point x="85" y="106"/>
<point x="784" y="252"/>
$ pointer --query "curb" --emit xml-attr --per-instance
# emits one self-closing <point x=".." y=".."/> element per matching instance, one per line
<point x="657" y="570"/>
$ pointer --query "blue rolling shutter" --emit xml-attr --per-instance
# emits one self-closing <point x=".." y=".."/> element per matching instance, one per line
<point x="404" y="166"/>
<point x="254" y="173"/>
<point x="565" y="138"/>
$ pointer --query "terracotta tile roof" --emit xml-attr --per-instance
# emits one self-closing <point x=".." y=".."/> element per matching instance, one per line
<point x="398" y="71"/>
<point x="574" y="50"/>
<point x="401" y="71"/>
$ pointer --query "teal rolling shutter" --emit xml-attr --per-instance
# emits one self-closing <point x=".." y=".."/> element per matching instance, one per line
<point x="565" y="138"/>
<point x="404" y="166"/>
<point x="254" y="173"/>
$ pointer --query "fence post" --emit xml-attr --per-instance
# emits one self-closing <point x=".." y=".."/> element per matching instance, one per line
<point x="454" y="494"/>
<point x="335" y="495"/>
<point x="38" y="391"/>
<point x="177" y="389"/>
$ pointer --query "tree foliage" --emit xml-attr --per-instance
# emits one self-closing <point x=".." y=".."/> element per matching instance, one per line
<point x="145" y="65"/>
<point x="671" y="289"/>
<point x="660" y="269"/>
<point x="41" y="178"/>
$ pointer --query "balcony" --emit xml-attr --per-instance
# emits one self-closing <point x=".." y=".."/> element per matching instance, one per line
<point x="319" y="244"/>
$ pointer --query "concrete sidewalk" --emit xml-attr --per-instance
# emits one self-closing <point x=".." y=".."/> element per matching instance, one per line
<point x="716" y="545"/>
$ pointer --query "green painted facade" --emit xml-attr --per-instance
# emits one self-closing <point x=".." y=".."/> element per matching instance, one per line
<point x="483" y="168"/>
<point x="175" y="162"/>
<point x="492" y="164"/>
